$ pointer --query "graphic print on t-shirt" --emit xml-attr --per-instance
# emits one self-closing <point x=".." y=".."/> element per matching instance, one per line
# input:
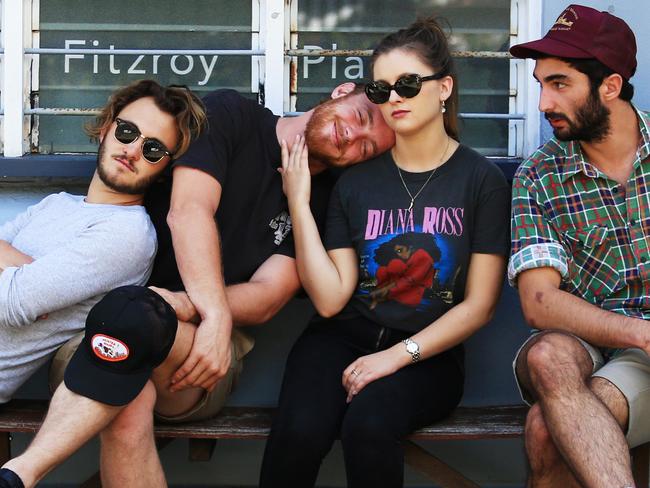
<point x="409" y="260"/>
<point x="281" y="224"/>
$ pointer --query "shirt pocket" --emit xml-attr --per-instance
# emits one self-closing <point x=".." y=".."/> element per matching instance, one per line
<point x="593" y="270"/>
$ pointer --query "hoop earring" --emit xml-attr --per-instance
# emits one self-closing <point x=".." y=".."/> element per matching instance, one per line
<point x="443" y="109"/>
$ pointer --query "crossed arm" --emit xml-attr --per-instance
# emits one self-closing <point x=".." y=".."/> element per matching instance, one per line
<point x="12" y="257"/>
<point x="251" y="303"/>
<point x="73" y="272"/>
<point x="546" y="306"/>
<point x="195" y="199"/>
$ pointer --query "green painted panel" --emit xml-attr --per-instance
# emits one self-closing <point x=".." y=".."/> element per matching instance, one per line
<point x="475" y="25"/>
<point x="86" y="80"/>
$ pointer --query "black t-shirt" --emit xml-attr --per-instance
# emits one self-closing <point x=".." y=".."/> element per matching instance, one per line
<point x="413" y="265"/>
<point x="240" y="150"/>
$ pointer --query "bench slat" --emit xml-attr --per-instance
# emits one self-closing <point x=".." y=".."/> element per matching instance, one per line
<point x="254" y="423"/>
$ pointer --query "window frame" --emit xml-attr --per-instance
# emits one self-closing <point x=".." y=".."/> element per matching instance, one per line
<point x="275" y="29"/>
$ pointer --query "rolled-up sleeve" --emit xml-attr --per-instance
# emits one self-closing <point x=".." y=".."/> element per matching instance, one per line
<point x="535" y="242"/>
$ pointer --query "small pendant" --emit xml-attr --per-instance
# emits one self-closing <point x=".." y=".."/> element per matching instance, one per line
<point x="410" y="206"/>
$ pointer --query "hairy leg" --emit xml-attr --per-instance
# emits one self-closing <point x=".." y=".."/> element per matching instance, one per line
<point x="548" y="469"/>
<point x="70" y="422"/>
<point x="129" y="455"/>
<point x="584" y="431"/>
<point x="128" y="450"/>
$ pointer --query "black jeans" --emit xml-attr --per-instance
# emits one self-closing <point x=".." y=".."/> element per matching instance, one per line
<point x="312" y="410"/>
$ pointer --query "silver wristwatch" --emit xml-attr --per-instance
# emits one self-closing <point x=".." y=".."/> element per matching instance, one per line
<point x="413" y="349"/>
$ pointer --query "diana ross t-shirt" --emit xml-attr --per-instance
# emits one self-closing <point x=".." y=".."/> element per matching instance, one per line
<point x="413" y="263"/>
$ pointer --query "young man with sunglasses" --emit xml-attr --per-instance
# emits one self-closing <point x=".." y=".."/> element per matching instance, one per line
<point x="61" y="256"/>
<point x="228" y="175"/>
<point x="580" y="257"/>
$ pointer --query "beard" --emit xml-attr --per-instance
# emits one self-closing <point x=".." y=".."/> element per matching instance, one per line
<point x="591" y="121"/>
<point x="138" y="187"/>
<point x="318" y="133"/>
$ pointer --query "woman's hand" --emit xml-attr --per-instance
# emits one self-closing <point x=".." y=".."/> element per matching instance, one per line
<point x="296" y="179"/>
<point x="366" y="369"/>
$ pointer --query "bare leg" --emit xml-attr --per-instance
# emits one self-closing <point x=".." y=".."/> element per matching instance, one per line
<point x="70" y="422"/>
<point x="585" y="433"/>
<point x="168" y="403"/>
<point x="548" y="469"/>
<point x="128" y="454"/>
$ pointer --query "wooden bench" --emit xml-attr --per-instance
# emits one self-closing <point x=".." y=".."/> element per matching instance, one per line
<point x="501" y="422"/>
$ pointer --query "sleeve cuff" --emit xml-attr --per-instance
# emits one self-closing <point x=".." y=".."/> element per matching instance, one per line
<point x="547" y="255"/>
<point x="10" y="316"/>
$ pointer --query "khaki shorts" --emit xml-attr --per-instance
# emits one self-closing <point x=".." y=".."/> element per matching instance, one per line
<point x="210" y="403"/>
<point x="629" y="371"/>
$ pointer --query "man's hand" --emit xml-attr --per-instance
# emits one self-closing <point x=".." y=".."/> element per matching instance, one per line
<point x="209" y="358"/>
<point x="180" y="302"/>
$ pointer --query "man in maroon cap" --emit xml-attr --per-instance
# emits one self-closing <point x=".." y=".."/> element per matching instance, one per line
<point x="581" y="257"/>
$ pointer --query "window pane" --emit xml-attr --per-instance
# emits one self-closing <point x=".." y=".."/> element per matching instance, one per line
<point x="476" y="25"/>
<point x="86" y="80"/>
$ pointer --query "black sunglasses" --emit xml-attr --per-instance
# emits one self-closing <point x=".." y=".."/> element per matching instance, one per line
<point x="406" y="86"/>
<point x="152" y="149"/>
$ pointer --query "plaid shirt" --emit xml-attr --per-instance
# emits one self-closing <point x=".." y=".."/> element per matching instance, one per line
<point x="569" y="215"/>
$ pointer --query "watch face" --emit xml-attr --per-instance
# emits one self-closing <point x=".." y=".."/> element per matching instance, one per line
<point x="412" y="347"/>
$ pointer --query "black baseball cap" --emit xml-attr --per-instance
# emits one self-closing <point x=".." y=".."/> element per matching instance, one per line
<point x="128" y="333"/>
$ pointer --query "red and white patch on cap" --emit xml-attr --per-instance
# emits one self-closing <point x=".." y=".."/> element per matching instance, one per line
<point x="108" y="348"/>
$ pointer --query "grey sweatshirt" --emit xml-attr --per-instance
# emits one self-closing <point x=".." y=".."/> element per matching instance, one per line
<point x="81" y="251"/>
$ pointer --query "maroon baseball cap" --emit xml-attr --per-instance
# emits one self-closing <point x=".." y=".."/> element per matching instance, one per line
<point x="583" y="32"/>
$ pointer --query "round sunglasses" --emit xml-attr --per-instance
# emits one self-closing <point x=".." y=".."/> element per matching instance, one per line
<point x="152" y="149"/>
<point x="406" y="86"/>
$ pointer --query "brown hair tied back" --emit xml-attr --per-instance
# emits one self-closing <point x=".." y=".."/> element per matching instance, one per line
<point x="177" y="101"/>
<point x="427" y="39"/>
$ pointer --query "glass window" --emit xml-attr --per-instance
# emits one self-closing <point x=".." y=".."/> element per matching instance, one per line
<point x="85" y="80"/>
<point x="476" y="25"/>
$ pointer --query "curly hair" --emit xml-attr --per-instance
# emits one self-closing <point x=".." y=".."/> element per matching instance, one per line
<point x="177" y="101"/>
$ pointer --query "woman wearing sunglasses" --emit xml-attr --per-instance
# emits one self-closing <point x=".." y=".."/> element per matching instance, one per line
<point x="412" y="265"/>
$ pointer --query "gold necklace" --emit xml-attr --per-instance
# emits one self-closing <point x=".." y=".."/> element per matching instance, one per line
<point x="413" y="197"/>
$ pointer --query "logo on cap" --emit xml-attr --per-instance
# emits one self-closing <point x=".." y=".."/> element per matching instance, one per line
<point x="108" y="348"/>
<point x="563" y="21"/>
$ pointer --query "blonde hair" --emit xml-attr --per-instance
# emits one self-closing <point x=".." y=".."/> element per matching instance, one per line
<point x="177" y="101"/>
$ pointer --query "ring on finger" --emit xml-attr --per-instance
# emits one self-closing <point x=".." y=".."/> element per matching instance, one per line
<point x="355" y="372"/>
